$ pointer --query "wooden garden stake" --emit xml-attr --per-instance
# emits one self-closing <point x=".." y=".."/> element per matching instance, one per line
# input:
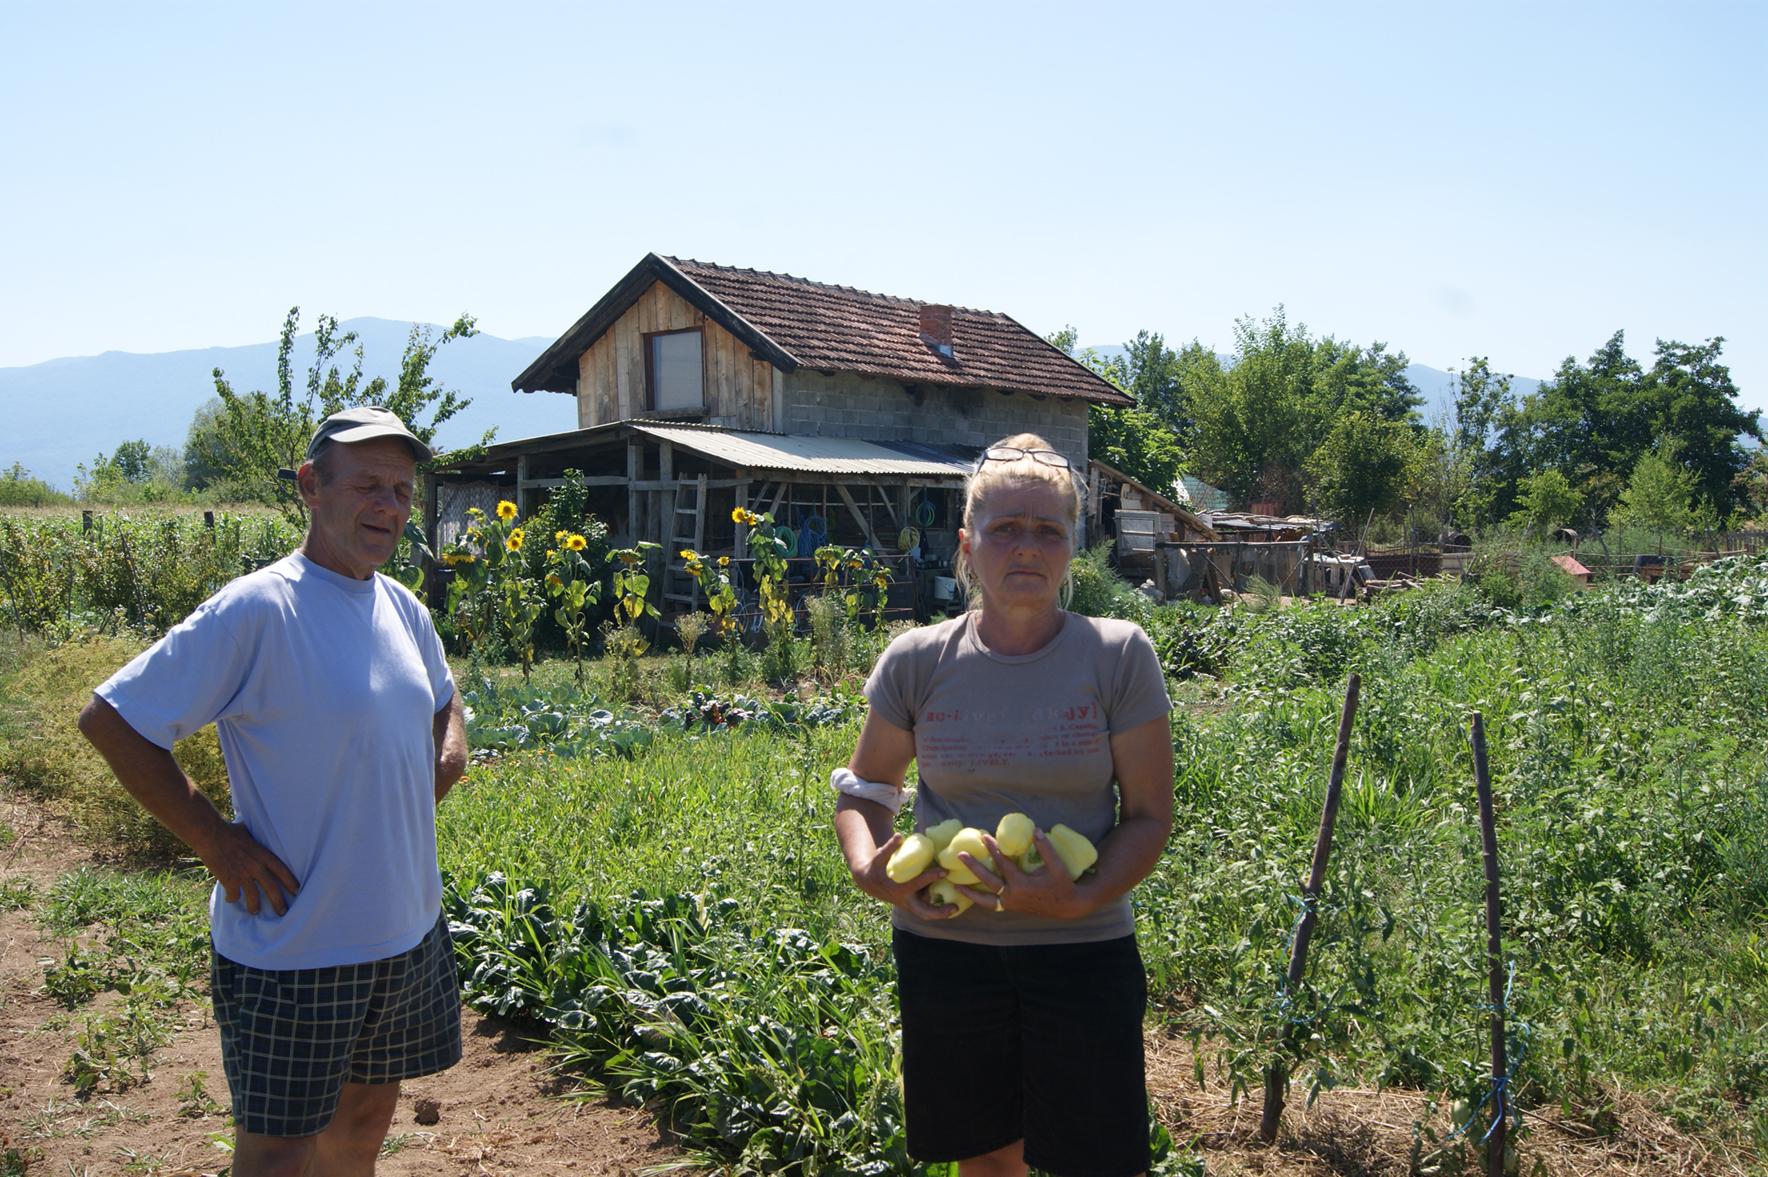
<point x="1494" y="951"/>
<point x="1277" y="1074"/>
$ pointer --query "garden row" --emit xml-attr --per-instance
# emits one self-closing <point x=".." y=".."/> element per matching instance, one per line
<point x="63" y="574"/>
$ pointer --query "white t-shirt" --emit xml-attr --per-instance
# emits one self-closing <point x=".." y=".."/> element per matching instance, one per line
<point x="324" y="690"/>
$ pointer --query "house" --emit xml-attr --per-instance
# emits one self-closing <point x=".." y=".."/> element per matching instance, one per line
<point x="852" y="417"/>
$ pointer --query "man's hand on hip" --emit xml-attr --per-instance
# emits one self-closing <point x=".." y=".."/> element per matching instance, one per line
<point x="247" y="871"/>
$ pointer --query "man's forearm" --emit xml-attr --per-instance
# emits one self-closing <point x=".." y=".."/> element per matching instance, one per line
<point x="150" y="775"/>
<point x="450" y="734"/>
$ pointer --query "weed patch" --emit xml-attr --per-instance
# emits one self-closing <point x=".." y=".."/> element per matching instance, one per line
<point x="42" y="752"/>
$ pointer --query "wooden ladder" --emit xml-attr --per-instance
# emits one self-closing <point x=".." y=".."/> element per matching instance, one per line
<point x="687" y="529"/>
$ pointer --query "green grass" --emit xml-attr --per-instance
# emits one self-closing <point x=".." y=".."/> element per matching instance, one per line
<point x="140" y="935"/>
<point x="740" y="815"/>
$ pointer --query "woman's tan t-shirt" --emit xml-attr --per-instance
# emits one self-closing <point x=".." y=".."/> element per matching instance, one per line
<point x="1031" y="733"/>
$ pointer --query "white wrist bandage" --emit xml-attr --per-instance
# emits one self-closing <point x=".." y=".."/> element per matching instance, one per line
<point x="891" y="797"/>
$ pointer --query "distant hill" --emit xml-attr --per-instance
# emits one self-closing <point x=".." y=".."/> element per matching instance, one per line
<point x="63" y="412"/>
<point x="1435" y="385"/>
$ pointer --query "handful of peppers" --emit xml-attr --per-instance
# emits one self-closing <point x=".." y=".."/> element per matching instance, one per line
<point x="1015" y="837"/>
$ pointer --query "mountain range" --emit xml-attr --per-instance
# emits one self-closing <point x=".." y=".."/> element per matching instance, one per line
<point x="64" y="412"/>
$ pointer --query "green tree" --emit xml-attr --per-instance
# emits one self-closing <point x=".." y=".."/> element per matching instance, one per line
<point x="1660" y="494"/>
<point x="1138" y="441"/>
<point x="1694" y="403"/>
<point x="1749" y="490"/>
<point x="205" y="448"/>
<point x="1361" y="468"/>
<point x="18" y="488"/>
<point x="1596" y="420"/>
<point x="1546" y="501"/>
<point x="1365" y="379"/>
<point x="1257" y="420"/>
<point x="1155" y="377"/>
<point x="135" y="472"/>
<point x="256" y="434"/>
<point x="1479" y="451"/>
<point x="133" y="461"/>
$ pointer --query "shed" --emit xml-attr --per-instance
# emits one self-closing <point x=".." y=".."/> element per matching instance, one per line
<point x="1572" y="567"/>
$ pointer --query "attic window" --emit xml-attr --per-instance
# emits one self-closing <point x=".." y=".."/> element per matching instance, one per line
<point x="673" y="371"/>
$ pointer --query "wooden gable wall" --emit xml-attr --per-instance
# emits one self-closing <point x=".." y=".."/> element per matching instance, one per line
<point x="742" y="392"/>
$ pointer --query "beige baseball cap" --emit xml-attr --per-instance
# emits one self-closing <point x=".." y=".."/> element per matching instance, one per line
<point x="365" y="423"/>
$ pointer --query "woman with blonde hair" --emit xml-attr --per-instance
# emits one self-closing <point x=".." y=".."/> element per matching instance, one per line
<point x="1021" y="1008"/>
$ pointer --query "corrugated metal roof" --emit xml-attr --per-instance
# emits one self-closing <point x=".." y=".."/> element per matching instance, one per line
<point x="811" y="455"/>
<point x="1200" y="495"/>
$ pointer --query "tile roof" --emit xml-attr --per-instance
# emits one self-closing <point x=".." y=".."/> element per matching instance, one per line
<point x="794" y="322"/>
<point x="841" y="329"/>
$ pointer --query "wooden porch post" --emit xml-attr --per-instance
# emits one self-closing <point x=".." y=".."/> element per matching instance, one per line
<point x="631" y="492"/>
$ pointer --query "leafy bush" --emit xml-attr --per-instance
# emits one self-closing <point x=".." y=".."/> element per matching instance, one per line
<point x="143" y="573"/>
<point x="19" y="489"/>
<point x="1100" y="592"/>
<point x="769" y="1046"/>
<point x="43" y="753"/>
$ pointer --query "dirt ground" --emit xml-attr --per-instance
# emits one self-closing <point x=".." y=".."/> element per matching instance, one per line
<point x="501" y="1112"/>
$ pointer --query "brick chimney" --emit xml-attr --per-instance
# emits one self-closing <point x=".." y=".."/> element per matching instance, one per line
<point x="936" y="327"/>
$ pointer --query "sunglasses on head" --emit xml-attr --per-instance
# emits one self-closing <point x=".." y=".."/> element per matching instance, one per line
<point x="1012" y="453"/>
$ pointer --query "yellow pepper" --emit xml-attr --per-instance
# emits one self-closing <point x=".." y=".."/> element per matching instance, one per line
<point x="946" y="894"/>
<point x="968" y="841"/>
<point x="1077" y="852"/>
<point x="1013" y="835"/>
<point x="943" y="833"/>
<point x="911" y="858"/>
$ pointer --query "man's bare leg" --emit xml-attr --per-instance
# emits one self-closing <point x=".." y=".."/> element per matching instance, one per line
<point x="348" y="1147"/>
<point x="352" y="1141"/>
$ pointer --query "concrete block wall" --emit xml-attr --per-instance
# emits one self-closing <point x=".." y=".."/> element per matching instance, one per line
<point x="845" y="404"/>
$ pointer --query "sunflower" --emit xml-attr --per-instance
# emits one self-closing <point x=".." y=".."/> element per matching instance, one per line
<point x="506" y="511"/>
<point x="514" y="542"/>
<point x="724" y="561"/>
<point x="559" y="535"/>
<point x="576" y="543"/>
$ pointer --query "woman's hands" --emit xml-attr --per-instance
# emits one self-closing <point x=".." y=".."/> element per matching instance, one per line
<point x="870" y="877"/>
<point x="1005" y="887"/>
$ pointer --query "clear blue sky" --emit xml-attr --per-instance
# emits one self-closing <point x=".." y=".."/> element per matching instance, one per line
<point x="1514" y="180"/>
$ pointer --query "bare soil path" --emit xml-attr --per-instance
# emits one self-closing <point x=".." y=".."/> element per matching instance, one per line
<point x="500" y="1112"/>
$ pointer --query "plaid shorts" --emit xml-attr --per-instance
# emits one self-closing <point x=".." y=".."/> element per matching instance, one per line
<point x="291" y="1038"/>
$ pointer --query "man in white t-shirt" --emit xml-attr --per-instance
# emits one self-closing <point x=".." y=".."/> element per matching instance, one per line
<point x="332" y="972"/>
